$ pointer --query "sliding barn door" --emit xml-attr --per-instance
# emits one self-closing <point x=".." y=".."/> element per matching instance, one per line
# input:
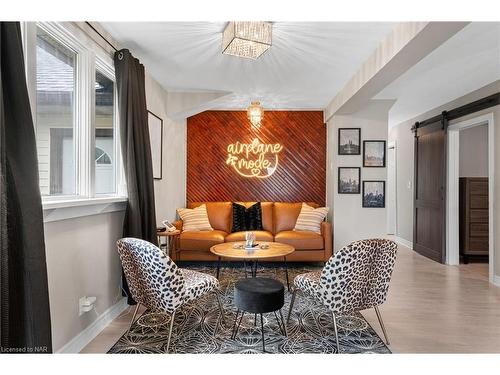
<point x="429" y="201"/>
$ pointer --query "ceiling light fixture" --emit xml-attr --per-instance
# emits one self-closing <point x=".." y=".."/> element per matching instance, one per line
<point x="246" y="39"/>
<point x="255" y="114"/>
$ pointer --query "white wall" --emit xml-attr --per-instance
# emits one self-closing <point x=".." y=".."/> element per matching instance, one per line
<point x="404" y="138"/>
<point x="81" y="261"/>
<point x="170" y="191"/>
<point x="350" y="220"/>
<point x="474" y="152"/>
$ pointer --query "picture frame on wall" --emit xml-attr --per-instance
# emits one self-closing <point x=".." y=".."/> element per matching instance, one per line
<point x="349" y="180"/>
<point x="155" y="125"/>
<point x="349" y="142"/>
<point x="374" y="154"/>
<point x="373" y="194"/>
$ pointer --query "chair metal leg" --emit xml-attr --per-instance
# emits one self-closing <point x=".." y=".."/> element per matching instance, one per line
<point x="223" y="319"/>
<point x="133" y="317"/>
<point x="238" y="326"/>
<point x="218" y="268"/>
<point x="379" y="316"/>
<point x="336" y="332"/>
<point x="262" y="331"/>
<point x="280" y="322"/>
<point x="172" y="318"/>
<point x="291" y="305"/>
<point x="283" y="323"/>
<point x="234" y="324"/>
<point x="286" y="274"/>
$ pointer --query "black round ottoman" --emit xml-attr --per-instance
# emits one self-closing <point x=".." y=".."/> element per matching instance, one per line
<point x="259" y="295"/>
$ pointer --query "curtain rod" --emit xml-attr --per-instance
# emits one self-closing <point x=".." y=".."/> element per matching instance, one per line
<point x="103" y="38"/>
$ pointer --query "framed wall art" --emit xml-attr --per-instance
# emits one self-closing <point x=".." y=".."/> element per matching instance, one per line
<point x="374" y="154"/>
<point x="349" y="142"/>
<point x="374" y="194"/>
<point x="349" y="180"/>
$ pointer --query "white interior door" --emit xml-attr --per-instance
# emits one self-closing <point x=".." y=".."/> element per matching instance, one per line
<point x="391" y="189"/>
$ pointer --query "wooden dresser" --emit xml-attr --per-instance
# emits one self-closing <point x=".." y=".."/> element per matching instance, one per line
<point x="473" y="217"/>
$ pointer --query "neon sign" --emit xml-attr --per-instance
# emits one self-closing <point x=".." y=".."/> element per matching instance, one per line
<point x="254" y="159"/>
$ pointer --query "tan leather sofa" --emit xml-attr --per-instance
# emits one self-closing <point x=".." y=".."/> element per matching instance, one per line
<point x="278" y="221"/>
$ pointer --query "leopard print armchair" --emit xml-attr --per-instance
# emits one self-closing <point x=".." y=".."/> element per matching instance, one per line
<point x="355" y="278"/>
<point x="154" y="279"/>
<point x="157" y="283"/>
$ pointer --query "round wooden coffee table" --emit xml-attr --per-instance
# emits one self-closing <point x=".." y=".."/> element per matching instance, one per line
<point x="236" y="250"/>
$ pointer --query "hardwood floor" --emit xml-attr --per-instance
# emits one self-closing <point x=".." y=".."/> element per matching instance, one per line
<point x="431" y="308"/>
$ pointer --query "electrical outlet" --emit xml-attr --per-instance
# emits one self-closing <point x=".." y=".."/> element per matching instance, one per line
<point x="81" y="302"/>
<point x="86" y="304"/>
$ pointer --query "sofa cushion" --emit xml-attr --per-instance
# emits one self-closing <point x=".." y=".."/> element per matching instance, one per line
<point x="195" y="219"/>
<point x="267" y="213"/>
<point x="246" y="218"/>
<point x="220" y="214"/>
<point x="310" y="218"/>
<point x="260" y="235"/>
<point x="285" y="215"/>
<point x="201" y="240"/>
<point x="301" y="240"/>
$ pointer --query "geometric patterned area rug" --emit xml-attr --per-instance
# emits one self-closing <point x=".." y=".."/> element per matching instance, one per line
<point x="310" y="329"/>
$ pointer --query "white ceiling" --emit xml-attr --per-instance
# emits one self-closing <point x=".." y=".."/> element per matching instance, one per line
<point x="308" y="63"/>
<point x="466" y="62"/>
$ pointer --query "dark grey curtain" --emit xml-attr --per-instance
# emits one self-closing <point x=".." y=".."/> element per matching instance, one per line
<point x="140" y="217"/>
<point x="24" y="297"/>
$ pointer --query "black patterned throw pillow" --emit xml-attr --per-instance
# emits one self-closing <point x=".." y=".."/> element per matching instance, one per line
<point x="245" y="219"/>
<point x="239" y="223"/>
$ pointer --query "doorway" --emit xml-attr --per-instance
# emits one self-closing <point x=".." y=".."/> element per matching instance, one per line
<point x="453" y="193"/>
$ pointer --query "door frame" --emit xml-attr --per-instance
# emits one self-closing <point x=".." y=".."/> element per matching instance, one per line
<point x="452" y="201"/>
<point x="392" y="145"/>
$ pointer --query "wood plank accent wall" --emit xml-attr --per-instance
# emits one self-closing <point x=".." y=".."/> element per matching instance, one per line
<point x="301" y="172"/>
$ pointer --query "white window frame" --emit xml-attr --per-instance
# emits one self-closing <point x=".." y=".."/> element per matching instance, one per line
<point x="106" y="68"/>
<point x="89" y="58"/>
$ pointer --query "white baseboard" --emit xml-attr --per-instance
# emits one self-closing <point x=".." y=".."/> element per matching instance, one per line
<point x="496" y="280"/>
<point x="81" y="340"/>
<point x="404" y="242"/>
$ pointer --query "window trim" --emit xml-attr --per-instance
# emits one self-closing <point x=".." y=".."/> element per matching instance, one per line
<point x="107" y="69"/>
<point x="90" y="57"/>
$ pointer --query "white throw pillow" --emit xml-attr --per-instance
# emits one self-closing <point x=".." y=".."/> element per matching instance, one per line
<point x="310" y="218"/>
<point x="195" y="219"/>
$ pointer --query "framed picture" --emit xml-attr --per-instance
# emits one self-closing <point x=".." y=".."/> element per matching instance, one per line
<point x="349" y="141"/>
<point x="374" y="154"/>
<point x="374" y="194"/>
<point x="155" y="125"/>
<point x="349" y="180"/>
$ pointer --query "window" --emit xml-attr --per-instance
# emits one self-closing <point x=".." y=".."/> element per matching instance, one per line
<point x="55" y="103"/>
<point x="105" y="167"/>
<point x="72" y="81"/>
